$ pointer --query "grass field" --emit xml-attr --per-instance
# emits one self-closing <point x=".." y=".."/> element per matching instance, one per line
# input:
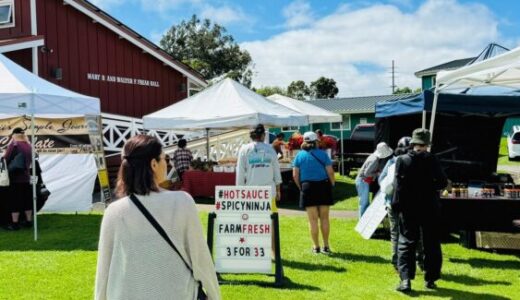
<point x="503" y="158"/>
<point x="61" y="265"/>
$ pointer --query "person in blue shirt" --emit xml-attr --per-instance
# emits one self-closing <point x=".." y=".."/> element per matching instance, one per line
<point x="314" y="176"/>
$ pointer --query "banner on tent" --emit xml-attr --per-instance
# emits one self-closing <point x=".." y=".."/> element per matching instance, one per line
<point x="58" y="136"/>
<point x="95" y="130"/>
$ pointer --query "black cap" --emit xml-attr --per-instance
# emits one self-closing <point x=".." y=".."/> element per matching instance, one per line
<point x="18" y="130"/>
<point x="258" y="130"/>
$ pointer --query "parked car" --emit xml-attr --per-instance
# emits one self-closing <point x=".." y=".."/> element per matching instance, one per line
<point x="358" y="147"/>
<point x="513" y="142"/>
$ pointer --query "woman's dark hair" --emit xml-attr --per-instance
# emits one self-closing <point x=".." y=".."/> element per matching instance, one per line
<point x="182" y="143"/>
<point x="307" y="146"/>
<point x="280" y="135"/>
<point x="135" y="174"/>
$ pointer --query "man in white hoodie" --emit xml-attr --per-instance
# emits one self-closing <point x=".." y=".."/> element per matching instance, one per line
<point x="258" y="164"/>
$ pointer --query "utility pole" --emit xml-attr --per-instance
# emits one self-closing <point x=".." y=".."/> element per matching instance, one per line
<point x="393" y="77"/>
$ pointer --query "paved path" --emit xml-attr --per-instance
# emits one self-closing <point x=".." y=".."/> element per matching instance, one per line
<point x="342" y="214"/>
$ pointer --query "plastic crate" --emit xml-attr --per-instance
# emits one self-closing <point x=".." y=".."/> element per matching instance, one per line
<point x="497" y="240"/>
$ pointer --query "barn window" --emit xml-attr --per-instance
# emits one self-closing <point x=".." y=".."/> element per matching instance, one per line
<point x="6" y="13"/>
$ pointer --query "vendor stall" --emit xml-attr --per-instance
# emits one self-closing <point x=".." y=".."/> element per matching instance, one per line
<point x="225" y="105"/>
<point x="25" y="94"/>
<point x="467" y="138"/>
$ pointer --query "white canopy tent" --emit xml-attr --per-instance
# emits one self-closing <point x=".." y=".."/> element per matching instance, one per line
<point x="502" y="70"/>
<point x="23" y="93"/>
<point x="314" y="114"/>
<point x="227" y="104"/>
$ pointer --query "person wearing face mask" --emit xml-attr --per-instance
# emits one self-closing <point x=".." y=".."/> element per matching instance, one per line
<point x="151" y="244"/>
<point x="419" y="178"/>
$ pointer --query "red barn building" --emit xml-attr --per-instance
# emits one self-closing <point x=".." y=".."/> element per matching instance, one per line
<point x="76" y="45"/>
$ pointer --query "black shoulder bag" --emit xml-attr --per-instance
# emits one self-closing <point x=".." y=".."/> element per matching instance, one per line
<point x="201" y="295"/>
<point x="16" y="161"/>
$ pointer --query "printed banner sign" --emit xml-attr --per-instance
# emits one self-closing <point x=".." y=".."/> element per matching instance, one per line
<point x="59" y="136"/>
<point x="95" y="130"/>
<point x="243" y="229"/>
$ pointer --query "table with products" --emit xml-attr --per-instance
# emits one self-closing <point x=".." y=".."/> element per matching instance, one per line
<point x="488" y="210"/>
<point x="202" y="183"/>
<point x="199" y="183"/>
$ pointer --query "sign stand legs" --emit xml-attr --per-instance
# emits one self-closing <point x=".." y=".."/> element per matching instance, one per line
<point x="278" y="281"/>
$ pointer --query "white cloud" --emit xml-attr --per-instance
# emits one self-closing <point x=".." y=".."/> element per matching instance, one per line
<point x="338" y="44"/>
<point x="297" y="14"/>
<point x="223" y="15"/>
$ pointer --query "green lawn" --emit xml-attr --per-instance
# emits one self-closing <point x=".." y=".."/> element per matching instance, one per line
<point x="344" y="193"/>
<point x="62" y="266"/>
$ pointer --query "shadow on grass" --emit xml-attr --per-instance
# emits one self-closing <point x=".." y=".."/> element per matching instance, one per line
<point x="488" y="263"/>
<point x="472" y="281"/>
<point x="455" y="294"/>
<point x="56" y="232"/>
<point x="288" y="284"/>
<point x="311" y="267"/>
<point x="361" y="258"/>
<point x="343" y="191"/>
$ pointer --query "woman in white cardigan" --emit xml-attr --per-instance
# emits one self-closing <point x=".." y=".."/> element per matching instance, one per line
<point x="134" y="260"/>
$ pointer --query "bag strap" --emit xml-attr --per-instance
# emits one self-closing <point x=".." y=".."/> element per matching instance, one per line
<point x="158" y="227"/>
<point x="321" y="163"/>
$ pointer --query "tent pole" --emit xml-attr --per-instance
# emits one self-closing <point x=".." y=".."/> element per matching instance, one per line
<point x="207" y="144"/>
<point x="434" y="110"/>
<point x="341" y="156"/>
<point x="423" y="119"/>
<point x="34" y="181"/>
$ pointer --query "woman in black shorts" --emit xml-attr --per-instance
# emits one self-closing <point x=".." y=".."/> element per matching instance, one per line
<point x="314" y="176"/>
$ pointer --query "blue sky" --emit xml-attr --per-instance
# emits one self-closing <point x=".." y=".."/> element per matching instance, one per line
<point x="353" y="42"/>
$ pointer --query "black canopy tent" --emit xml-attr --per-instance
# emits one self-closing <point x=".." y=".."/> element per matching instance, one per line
<point x="467" y="139"/>
<point x="467" y="133"/>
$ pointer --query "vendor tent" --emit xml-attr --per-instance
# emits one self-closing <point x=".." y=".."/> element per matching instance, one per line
<point x="314" y="114"/>
<point x="502" y="70"/>
<point x="227" y="104"/>
<point x="468" y="135"/>
<point x="24" y="93"/>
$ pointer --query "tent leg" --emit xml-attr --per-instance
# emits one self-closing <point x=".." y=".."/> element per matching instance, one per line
<point x="434" y="110"/>
<point x="207" y="145"/>
<point x="423" y="119"/>
<point x="341" y="145"/>
<point x="34" y="182"/>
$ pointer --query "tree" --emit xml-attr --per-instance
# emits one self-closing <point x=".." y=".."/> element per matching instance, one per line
<point x="324" y="88"/>
<point x="298" y="90"/>
<point x="404" y="90"/>
<point x="207" y="48"/>
<point x="407" y="90"/>
<point x="270" y="90"/>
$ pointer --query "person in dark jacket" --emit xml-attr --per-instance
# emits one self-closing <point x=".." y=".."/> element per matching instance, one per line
<point x="19" y="157"/>
<point x="419" y="178"/>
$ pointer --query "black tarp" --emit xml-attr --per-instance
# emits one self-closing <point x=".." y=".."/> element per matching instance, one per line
<point x="467" y="132"/>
